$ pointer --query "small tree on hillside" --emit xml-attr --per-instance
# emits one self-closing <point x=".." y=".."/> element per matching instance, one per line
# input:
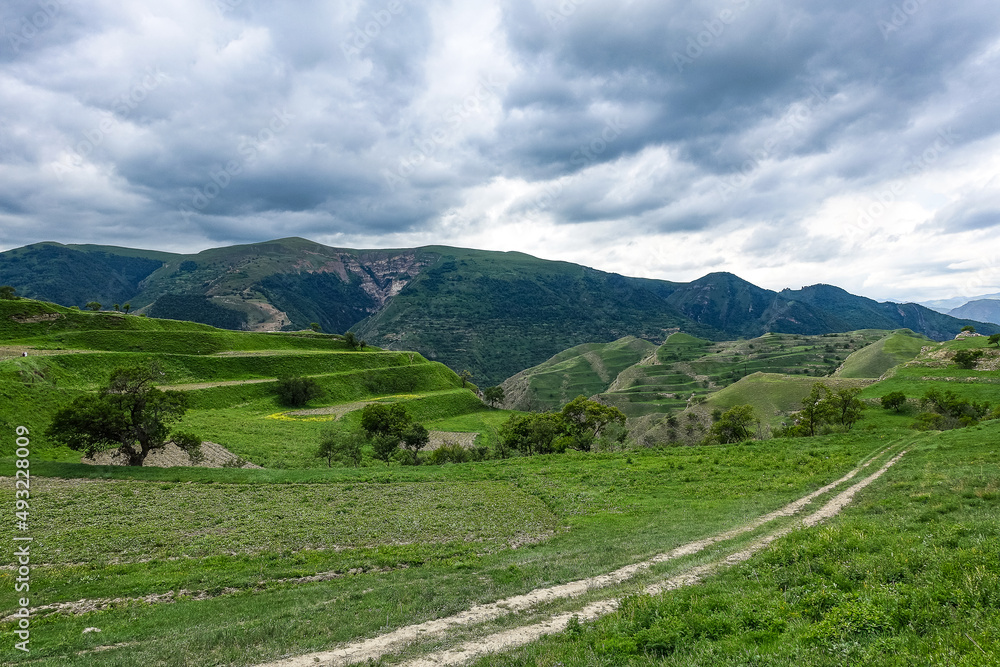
<point x="315" y="327"/>
<point x="129" y="415"/>
<point x="735" y="425"/>
<point x="583" y="420"/>
<point x="494" y="395"/>
<point x="846" y="407"/>
<point x="466" y="376"/>
<point x="415" y="438"/>
<point x="351" y="340"/>
<point x="967" y="359"/>
<point x="994" y="339"/>
<point x="968" y="328"/>
<point x="385" y="426"/>
<point x="94" y="306"/>
<point x="894" y="400"/>
<point x="815" y="408"/>
<point x="8" y="293"/>
<point x="339" y="442"/>
<point x="297" y="391"/>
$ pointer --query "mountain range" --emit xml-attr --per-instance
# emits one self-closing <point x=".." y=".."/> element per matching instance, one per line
<point x="492" y="313"/>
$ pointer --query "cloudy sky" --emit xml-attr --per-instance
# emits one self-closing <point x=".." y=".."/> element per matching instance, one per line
<point x="855" y="143"/>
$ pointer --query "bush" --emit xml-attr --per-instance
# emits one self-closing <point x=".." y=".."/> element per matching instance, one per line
<point x="894" y="400"/>
<point x="297" y="391"/>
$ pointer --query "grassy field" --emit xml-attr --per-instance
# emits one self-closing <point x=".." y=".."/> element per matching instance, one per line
<point x="908" y="575"/>
<point x="183" y="566"/>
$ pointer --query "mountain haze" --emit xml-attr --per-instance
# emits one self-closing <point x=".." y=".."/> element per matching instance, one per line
<point x="493" y="313"/>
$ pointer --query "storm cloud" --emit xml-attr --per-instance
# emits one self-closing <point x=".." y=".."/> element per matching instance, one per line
<point x="788" y="142"/>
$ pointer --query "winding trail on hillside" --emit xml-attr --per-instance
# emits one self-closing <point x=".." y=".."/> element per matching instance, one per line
<point x="376" y="647"/>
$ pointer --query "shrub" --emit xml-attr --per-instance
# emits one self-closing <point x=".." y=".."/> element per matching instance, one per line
<point x="297" y="391"/>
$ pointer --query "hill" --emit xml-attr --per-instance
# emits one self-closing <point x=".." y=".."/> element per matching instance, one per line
<point x="230" y="378"/>
<point x="983" y="310"/>
<point x="492" y="313"/>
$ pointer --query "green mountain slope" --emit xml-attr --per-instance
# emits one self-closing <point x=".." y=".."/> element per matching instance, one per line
<point x="492" y="313"/>
<point x="585" y="369"/>
<point x="873" y="361"/>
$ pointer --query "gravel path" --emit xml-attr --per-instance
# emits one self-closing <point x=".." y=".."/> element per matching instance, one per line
<point x="376" y="647"/>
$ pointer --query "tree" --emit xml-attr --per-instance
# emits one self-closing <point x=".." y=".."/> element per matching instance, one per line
<point x="968" y="328"/>
<point x="415" y="438"/>
<point x="584" y="419"/>
<point x="846" y="407"/>
<point x="129" y="415"/>
<point x="117" y="308"/>
<point x="315" y="327"/>
<point x="815" y="408"/>
<point x="126" y="307"/>
<point x="735" y="425"/>
<point x="338" y="442"/>
<point x="531" y="433"/>
<point x="351" y="340"/>
<point x="385" y="419"/>
<point x="494" y="395"/>
<point x="466" y="375"/>
<point x="894" y="400"/>
<point x="967" y="358"/>
<point x="94" y="306"/>
<point x="994" y="339"/>
<point x="8" y="293"/>
<point x="297" y="391"/>
<point x="385" y="425"/>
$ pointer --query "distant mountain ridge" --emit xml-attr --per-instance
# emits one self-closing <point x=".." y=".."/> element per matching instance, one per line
<point x="493" y="313"/>
<point x="984" y="310"/>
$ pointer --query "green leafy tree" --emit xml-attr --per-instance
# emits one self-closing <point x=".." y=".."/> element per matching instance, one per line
<point x="533" y="433"/>
<point x="968" y="328"/>
<point x="384" y="446"/>
<point x="956" y="412"/>
<point x="8" y="293"/>
<point x="415" y="438"/>
<point x="994" y="339"/>
<point x="352" y="340"/>
<point x="846" y="407"/>
<point x="315" y="327"/>
<point x="967" y="358"/>
<point x="117" y="308"/>
<point x="126" y="307"/>
<point x="494" y="395"/>
<point x="339" y="442"/>
<point x="894" y="400"/>
<point x="584" y="419"/>
<point x="816" y="409"/>
<point x="94" y="306"/>
<point x="297" y="391"/>
<point x="129" y="415"/>
<point x="466" y="376"/>
<point x="385" y="425"/>
<point x="735" y="424"/>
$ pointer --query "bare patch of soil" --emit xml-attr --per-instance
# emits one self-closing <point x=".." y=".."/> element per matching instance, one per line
<point x="170" y="456"/>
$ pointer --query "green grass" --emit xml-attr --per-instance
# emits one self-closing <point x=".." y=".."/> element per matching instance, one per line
<point x="873" y="361"/>
<point x="907" y="575"/>
<point x="246" y="531"/>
